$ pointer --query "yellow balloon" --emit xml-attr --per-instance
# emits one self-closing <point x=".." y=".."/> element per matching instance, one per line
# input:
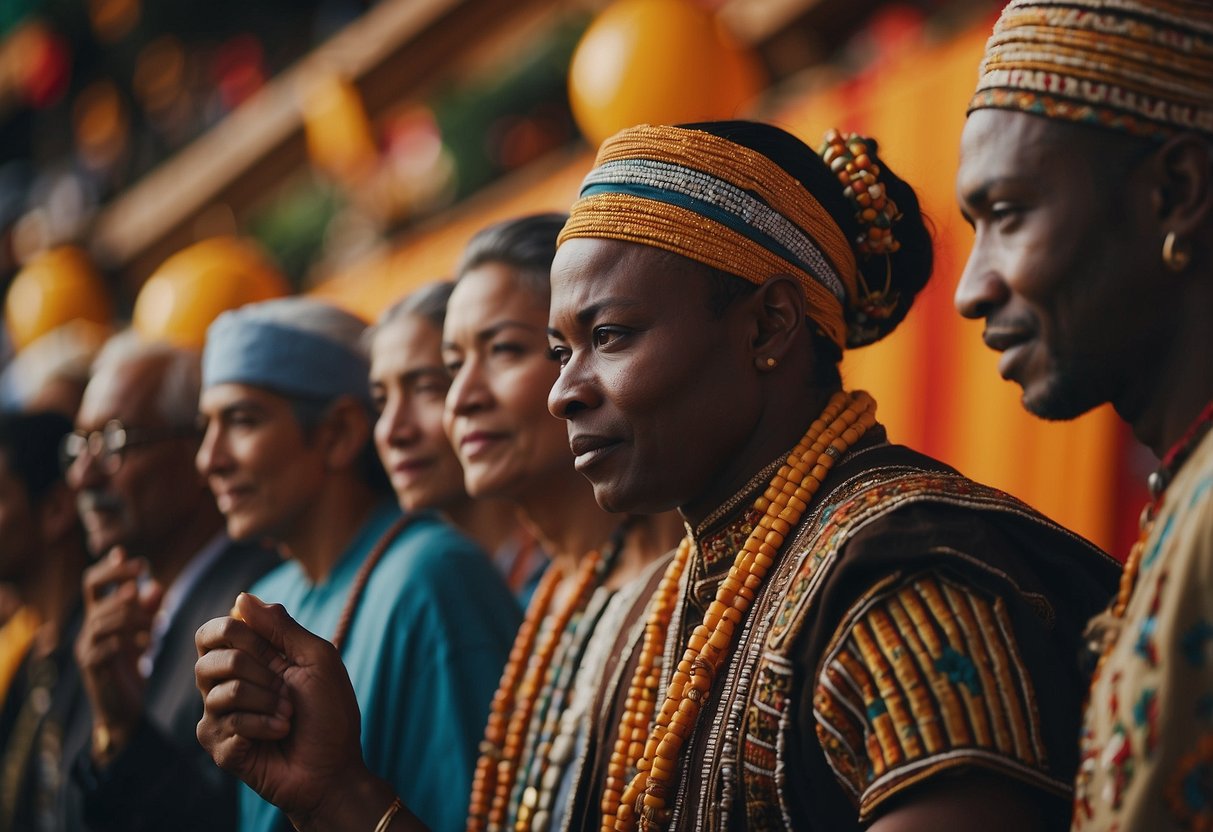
<point x="658" y="62"/>
<point x="55" y="288"/>
<point x="197" y="284"/>
<point x="340" y="138"/>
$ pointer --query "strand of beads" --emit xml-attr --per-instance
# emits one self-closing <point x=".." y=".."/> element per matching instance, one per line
<point x="527" y="799"/>
<point x="849" y="157"/>
<point x="843" y="421"/>
<point x="484" y="780"/>
<point x="529" y="689"/>
<point x="642" y="693"/>
<point x="530" y="799"/>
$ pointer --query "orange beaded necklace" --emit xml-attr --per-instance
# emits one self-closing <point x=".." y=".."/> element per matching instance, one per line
<point x="642" y="693"/>
<point x="643" y="801"/>
<point x="525" y="674"/>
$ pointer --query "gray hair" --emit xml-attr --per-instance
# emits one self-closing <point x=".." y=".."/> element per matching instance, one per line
<point x="180" y="381"/>
<point x="526" y="244"/>
<point x="428" y="302"/>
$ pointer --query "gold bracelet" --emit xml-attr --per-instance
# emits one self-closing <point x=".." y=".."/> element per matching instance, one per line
<point x="386" y="820"/>
<point x="103" y="744"/>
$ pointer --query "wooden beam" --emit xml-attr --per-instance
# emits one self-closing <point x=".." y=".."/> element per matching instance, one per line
<point x="391" y="52"/>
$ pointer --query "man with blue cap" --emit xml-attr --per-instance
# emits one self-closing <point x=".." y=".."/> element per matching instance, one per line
<point x="422" y="621"/>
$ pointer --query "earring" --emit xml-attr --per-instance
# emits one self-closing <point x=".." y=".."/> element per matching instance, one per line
<point x="1173" y="255"/>
<point x="771" y="362"/>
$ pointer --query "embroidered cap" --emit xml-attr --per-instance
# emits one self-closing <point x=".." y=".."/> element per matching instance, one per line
<point x="1144" y="68"/>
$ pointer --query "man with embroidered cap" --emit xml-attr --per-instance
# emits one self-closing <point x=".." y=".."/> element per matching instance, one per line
<point x="164" y="567"/>
<point x="1087" y="173"/>
<point x="415" y="610"/>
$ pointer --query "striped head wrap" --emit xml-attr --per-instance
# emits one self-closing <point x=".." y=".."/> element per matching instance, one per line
<point x="1144" y="67"/>
<point x="720" y="204"/>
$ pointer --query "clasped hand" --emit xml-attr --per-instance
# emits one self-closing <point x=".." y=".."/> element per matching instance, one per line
<point x="120" y="603"/>
<point x="279" y="709"/>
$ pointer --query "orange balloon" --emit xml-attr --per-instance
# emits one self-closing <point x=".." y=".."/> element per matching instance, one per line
<point x="658" y="62"/>
<point x="197" y="284"/>
<point x="340" y="139"/>
<point x="55" y="288"/>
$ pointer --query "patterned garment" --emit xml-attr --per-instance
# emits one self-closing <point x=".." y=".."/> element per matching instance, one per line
<point x="1147" y="739"/>
<point x="925" y="675"/>
<point x="902" y="635"/>
<point x="45" y="708"/>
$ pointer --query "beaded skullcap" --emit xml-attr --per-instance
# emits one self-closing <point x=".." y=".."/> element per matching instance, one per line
<point x="720" y="204"/>
<point x="1144" y="68"/>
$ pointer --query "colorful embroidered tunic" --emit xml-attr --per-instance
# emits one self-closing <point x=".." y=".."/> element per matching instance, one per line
<point x="901" y="635"/>
<point x="1140" y="772"/>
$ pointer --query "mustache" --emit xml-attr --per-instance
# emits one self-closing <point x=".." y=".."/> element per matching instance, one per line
<point x="1012" y="323"/>
<point x="91" y="500"/>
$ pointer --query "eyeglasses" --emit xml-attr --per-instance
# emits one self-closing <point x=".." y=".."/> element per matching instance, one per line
<point x="108" y="444"/>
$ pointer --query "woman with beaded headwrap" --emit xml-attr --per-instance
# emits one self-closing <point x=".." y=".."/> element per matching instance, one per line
<point x="1087" y="172"/>
<point x="851" y="633"/>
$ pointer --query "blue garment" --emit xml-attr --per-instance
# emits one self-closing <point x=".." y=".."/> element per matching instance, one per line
<point x="424" y="653"/>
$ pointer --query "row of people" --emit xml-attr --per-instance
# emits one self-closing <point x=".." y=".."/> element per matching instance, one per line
<point x="877" y="641"/>
<point x="852" y="635"/>
<point x="419" y="615"/>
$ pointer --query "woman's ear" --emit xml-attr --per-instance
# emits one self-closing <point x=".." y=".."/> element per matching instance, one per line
<point x="777" y="311"/>
<point x="345" y="431"/>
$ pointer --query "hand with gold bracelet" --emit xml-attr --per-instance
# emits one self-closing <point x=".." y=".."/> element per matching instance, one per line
<point x="280" y="714"/>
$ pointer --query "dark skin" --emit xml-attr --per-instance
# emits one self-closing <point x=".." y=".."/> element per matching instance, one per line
<point x="631" y="328"/>
<point x="645" y="366"/>
<point x="1066" y="269"/>
<point x="281" y="715"/>
<point x="34" y="533"/>
<point x="623" y="316"/>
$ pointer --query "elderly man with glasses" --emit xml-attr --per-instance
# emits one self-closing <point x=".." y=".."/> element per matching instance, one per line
<point x="164" y="567"/>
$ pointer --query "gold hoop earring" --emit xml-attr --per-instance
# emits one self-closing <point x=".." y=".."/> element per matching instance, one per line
<point x="1175" y="257"/>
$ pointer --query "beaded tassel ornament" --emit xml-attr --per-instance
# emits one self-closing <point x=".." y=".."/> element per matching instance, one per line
<point x="643" y="804"/>
<point x="850" y="158"/>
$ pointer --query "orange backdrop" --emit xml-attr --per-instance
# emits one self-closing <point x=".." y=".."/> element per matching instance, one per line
<point x="937" y="384"/>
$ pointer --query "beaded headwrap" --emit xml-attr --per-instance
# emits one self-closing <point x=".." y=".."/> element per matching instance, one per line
<point x="1145" y="68"/>
<point x="723" y="205"/>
